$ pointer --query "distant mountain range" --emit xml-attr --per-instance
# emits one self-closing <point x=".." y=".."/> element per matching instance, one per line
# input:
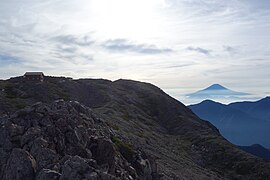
<point x="258" y="109"/>
<point x="242" y="123"/>
<point x="216" y="92"/>
<point x="257" y="150"/>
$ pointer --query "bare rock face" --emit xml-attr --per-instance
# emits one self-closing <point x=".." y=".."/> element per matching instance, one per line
<point x="76" y="168"/>
<point x="62" y="141"/>
<point x="20" y="165"/>
<point x="103" y="151"/>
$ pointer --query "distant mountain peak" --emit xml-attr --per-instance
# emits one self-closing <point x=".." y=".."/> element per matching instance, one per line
<point x="214" y="92"/>
<point x="216" y="87"/>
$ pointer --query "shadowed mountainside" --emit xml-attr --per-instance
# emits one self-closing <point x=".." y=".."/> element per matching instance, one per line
<point x="257" y="150"/>
<point x="238" y="122"/>
<point x="149" y="121"/>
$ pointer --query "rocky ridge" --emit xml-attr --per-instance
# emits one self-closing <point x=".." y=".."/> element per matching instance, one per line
<point x="66" y="141"/>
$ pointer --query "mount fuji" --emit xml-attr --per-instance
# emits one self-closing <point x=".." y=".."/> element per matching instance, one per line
<point x="216" y="91"/>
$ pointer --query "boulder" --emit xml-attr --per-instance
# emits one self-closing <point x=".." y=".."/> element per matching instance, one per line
<point x="104" y="153"/>
<point x="76" y="168"/>
<point x="30" y="135"/>
<point x="20" y="165"/>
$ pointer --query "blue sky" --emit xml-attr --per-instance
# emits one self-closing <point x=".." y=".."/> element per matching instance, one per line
<point x="179" y="45"/>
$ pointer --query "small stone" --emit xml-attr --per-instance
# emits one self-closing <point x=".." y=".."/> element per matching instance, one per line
<point x="47" y="174"/>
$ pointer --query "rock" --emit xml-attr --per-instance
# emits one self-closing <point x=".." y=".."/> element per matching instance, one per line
<point x="48" y="174"/>
<point x="45" y="157"/>
<point x="94" y="176"/>
<point x="60" y="141"/>
<point x="76" y="168"/>
<point x="132" y="172"/>
<point x="30" y="135"/>
<point x="143" y="167"/>
<point x="92" y="163"/>
<point x="3" y="160"/>
<point x="104" y="153"/>
<point x="5" y="141"/>
<point x="106" y="176"/>
<point x="20" y="165"/>
<point x="15" y="130"/>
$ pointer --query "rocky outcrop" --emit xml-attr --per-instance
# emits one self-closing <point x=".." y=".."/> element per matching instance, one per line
<point x="63" y="141"/>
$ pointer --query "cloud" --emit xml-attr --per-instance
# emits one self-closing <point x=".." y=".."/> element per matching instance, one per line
<point x="75" y="58"/>
<point x="7" y="59"/>
<point x="199" y="50"/>
<point x="72" y="54"/>
<point x="123" y="45"/>
<point x="53" y="36"/>
<point x="180" y="65"/>
<point x="73" y="40"/>
<point x="67" y="49"/>
<point x="231" y="50"/>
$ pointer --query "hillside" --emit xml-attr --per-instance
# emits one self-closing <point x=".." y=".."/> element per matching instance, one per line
<point x="171" y="141"/>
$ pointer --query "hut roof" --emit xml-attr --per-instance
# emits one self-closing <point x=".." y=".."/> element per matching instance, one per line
<point x="34" y="74"/>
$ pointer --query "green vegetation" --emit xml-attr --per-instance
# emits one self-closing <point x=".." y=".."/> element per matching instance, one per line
<point x="18" y="103"/>
<point x="10" y="91"/>
<point x="125" y="149"/>
<point x="64" y="95"/>
<point x="126" y="116"/>
<point x="115" y="127"/>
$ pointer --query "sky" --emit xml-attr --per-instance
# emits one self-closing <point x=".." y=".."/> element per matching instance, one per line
<point x="179" y="45"/>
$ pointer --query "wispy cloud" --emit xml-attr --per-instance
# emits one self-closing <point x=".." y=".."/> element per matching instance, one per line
<point x="231" y="50"/>
<point x="124" y="45"/>
<point x="176" y="66"/>
<point x="7" y="59"/>
<point x="76" y="58"/>
<point x="199" y="50"/>
<point x="73" y="40"/>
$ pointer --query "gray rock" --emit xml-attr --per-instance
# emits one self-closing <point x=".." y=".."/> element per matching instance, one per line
<point x="76" y="168"/>
<point x="106" y="176"/>
<point x="15" y="130"/>
<point x="104" y="153"/>
<point x="3" y="160"/>
<point x="143" y="168"/>
<point x="5" y="141"/>
<point x="20" y="165"/>
<point x="132" y="172"/>
<point x="30" y="135"/>
<point x="48" y="174"/>
<point x="45" y="157"/>
<point x="94" y="176"/>
<point x="60" y="141"/>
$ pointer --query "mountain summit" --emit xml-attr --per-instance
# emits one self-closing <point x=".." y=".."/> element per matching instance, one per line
<point x="216" y="92"/>
<point x="215" y="87"/>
